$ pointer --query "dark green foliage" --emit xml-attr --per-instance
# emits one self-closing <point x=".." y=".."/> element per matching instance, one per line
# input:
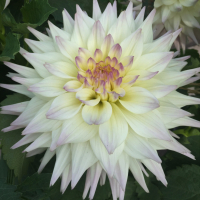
<point x="11" y="48"/>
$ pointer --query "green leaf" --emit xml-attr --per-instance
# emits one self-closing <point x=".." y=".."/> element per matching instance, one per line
<point x="183" y="184"/>
<point x="34" y="14"/>
<point x="187" y="132"/>
<point x="130" y="193"/>
<point x="70" y="6"/>
<point x="7" y="191"/>
<point x="37" y="11"/>
<point x="11" y="48"/>
<point x="15" y="159"/>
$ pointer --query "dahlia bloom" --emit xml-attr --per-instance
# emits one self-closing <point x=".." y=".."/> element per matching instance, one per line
<point x="102" y="98"/>
<point x="175" y="14"/>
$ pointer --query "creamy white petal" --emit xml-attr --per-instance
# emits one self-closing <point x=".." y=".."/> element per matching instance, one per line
<point x="156" y="169"/>
<point x="43" y="140"/>
<point x="82" y="155"/>
<point x="63" y="158"/>
<point x="137" y="173"/>
<point x="67" y="21"/>
<point x="76" y="130"/>
<point x="96" y="37"/>
<point x="40" y="36"/>
<point x="148" y="125"/>
<point x="111" y="131"/>
<point x="55" y="31"/>
<point x="139" y="100"/>
<point x="88" y="97"/>
<point x="27" y="115"/>
<point x="64" y="107"/>
<point x="120" y="30"/>
<point x="133" y="45"/>
<point x="98" y="114"/>
<point x="139" y="147"/>
<point x="18" y="107"/>
<point x="49" y="87"/>
<point x="24" y="71"/>
<point x="40" y="123"/>
<point x="62" y="69"/>
<point x="122" y="169"/>
<point x="96" y="10"/>
<point x="47" y="157"/>
<point x="18" y="88"/>
<point x="40" y="47"/>
<point x="108" y="161"/>
<point x="25" y="140"/>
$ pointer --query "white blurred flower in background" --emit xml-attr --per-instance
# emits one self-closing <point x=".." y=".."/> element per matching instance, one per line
<point x="175" y="14"/>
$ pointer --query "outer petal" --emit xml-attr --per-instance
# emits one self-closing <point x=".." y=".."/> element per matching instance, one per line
<point x="148" y="125"/>
<point x="76" y="130"/>
<point x="62" y="69"/>
<point x="64" y="107"/>
<point x="49" y="87"/>
<point x="63" y="158"/>
<point x="27" y="115"/>
<point x="82" y="158"/>
<point x="96" y="37"/>
<point x="114" y="131"/>
<point x="137" y="173"/>
<point x="139" y="148"/>
<point x="97" y="114"/>
<point x="121" y="170"/>
<point x="40" y="123"/>
<point x="96" y="10"/>
<point x="24" y="71"/>
<point x="139" y="100"/>
<point x="108" y="161"/>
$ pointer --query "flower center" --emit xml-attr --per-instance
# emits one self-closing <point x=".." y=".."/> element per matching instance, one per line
<point x="104" y="77"/>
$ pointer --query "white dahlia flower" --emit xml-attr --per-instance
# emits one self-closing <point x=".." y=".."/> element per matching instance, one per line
<point x="102" y="98"/>
<point x="176" y="14"/>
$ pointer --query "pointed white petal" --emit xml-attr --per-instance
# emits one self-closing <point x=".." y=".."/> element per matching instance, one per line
<point x="107" y="161"/>
<point x="38" y="35"/>
<point x="82" y="158"/>
<point x="47" y="157"/>
<point x="111" y="131"/>
<point x="96" y="10"/>
<point x="27" y="115"/>
<point x="40" y="123"/>
<point x="24" y="71"/>
<point x="51" y="86"/>
<point x="156" y="169"/>
<point x="25" y="140"/>
<point x="64" y="107"/>
<point x="63" y="158"/>
<point x="137" y="173"/>
<point x="96" y="37"/>
<point x="67" y="21"/>
<point x="148" y="125"/>
<point x="76" y="130"/>
<point x="18" y="88"/>
<point x="43" y="140"/>
<point x="139" y="148"/>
